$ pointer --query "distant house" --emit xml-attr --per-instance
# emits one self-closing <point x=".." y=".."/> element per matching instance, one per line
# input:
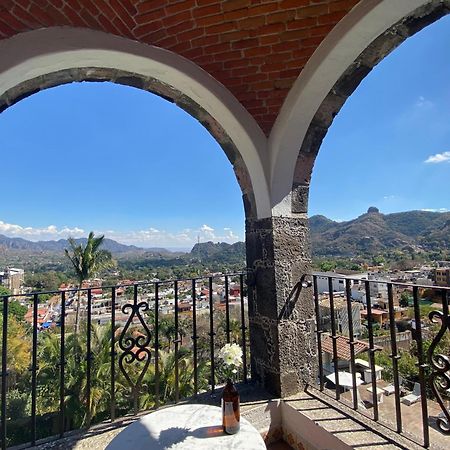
<point x="342" y="351"/>
<point x="184" y="307"/>
<point x="235" y="291"/>
<point x="442" y="276"/>
<point x="340" y="316"/>
<point x="380" y="316"/>
<point x="13" y="279"/>
<point x="379" y="289"/>
<point x="338" y="284"/>
<point x="42" y="315"/>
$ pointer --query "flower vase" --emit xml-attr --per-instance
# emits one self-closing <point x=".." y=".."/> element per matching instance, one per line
<point x="231" y="415"/>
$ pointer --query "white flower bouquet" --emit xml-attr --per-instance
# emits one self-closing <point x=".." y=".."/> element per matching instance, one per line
<point x="231" y="356"/>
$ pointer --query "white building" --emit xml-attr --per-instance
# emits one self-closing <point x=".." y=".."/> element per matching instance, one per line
<point x="13" y="279"/>
<point x="341" y="318"/>
<point x="322" y="282"/>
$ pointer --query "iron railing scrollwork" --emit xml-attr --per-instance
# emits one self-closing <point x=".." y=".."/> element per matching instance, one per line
<point x="135" y="348"/>
<point x="131" y="348"/>
<point x="440" y="377"/>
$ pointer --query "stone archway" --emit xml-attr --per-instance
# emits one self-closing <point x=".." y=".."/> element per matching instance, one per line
<point x="362" y="39"/>
<point x="376" y="51"/>
<point x="41" y="59"/>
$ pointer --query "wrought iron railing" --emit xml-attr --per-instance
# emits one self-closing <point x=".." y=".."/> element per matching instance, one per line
<point x="335" y="297"/>
<point x="146" y="344"/>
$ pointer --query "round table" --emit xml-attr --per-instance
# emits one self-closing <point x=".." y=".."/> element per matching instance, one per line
<point x="184" y="427"/>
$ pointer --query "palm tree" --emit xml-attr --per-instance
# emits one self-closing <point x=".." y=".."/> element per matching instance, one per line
<point x="87" y="260"/>
<point x="167" y="381"/>
<point x="75" y="380"/>
<point x="167" y="330"/>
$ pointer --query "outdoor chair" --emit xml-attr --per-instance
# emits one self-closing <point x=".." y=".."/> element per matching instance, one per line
<point x="414" y="397"/>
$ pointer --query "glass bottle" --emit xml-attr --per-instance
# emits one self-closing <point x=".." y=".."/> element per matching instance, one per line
<point x="231" y="414"/>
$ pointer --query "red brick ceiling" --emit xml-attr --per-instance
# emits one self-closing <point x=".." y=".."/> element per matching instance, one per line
<point x="256" y="48"/>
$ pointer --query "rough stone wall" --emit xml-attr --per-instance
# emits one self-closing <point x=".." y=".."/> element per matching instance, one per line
<point x="281" y="312"/>
<point x="255" y="48"/>
<point x="291" y="242"/>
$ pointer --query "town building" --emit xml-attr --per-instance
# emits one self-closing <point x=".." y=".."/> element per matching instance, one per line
<point x="340" y="316"/>
<point x="13" y="279"/>
<point x="338" y="284"/>
<point x="442" y="276"/>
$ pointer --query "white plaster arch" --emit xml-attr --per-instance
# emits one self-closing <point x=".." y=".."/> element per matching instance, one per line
<point x="40" y="52"/>
<point x="360" y="27"/>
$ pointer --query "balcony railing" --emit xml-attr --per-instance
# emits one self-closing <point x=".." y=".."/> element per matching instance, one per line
<point x="352" y="316"/>
<point x="140" y="345"/>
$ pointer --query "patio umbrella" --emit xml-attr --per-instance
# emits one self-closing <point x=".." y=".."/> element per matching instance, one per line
<point x="345" y="379"/>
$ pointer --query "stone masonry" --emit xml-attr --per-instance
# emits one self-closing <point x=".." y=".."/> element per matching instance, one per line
<point x="281" y="310"/>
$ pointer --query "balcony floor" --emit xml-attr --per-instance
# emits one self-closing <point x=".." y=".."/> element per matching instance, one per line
<point x="99" y="436"/>
<point x="359" y="431"/>
<point x="301" y="420"/>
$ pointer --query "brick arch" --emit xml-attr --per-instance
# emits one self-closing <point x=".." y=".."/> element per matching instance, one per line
<point x="41" y="59"/>
<point x="301" y="131"/>
<point x="256" y="49"/>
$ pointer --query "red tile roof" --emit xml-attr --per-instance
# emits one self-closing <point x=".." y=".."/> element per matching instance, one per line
<point x="343" y="346"/>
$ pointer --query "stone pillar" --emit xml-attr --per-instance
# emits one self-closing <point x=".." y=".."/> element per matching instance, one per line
<point x="281" y="311"/>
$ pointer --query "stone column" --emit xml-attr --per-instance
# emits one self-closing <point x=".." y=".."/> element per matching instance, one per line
<point x="281" y="311"/>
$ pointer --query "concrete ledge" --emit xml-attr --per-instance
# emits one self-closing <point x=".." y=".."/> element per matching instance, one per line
<point x="302" y="433"/>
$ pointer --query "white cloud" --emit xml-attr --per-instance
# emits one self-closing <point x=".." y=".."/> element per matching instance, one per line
<point x="31" y="233"/>
<point x="150" y="237"/>
<point x="422" y="102"/>
<point x="438" y="158"/>
<point x="229" y="235"/>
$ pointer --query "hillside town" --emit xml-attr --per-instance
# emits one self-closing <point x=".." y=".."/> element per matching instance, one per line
<point x="50" y="308"/>
<point x="49" y="313"/>
<point x="403" y="283"/>
<point x="366" y="323"/>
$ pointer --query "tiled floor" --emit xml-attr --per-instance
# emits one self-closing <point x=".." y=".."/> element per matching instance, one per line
<point x="411" y="416"/>
<point x="280" y="445"/>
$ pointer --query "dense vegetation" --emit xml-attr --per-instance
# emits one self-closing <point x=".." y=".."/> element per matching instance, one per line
<point x="75" y="384"/>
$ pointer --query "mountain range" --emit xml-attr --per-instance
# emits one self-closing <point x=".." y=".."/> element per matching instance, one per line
<point x="19" y="244"/>
<point x="371" y="233"/>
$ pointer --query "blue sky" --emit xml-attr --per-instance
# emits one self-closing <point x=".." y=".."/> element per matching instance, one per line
<point x="375" y="152"/>
<point x="117" y="160"/>
<point x="97" y="156"/>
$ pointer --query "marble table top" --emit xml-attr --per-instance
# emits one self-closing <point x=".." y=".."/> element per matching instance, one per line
<point x="185" y="427"/>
